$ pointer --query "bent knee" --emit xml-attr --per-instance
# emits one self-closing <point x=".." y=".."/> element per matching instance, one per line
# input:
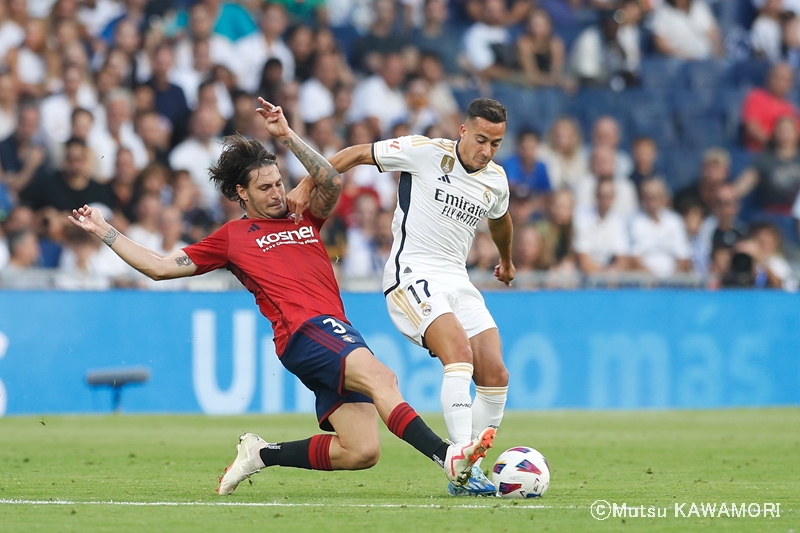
<point x="495" y="377"/>
<point x="382" y="381"/>
<point x="370" y="457"/>
<point x="365" y="457"/>
<point x="500" y="378"/>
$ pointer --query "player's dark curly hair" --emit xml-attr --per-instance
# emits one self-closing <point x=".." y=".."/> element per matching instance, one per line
<point x="239" y="157"/>
<point x="487" y="109"/>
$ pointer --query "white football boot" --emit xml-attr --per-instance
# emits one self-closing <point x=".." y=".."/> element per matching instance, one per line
<point x="461" y="457"/>
<point x="247" y="462"/>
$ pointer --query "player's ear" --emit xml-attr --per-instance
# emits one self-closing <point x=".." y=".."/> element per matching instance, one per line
<point x="242" y="192"/>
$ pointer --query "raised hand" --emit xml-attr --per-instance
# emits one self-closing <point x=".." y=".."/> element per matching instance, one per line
<point x="87" y="218"/>
<point x="274" y="119"/>
<point x="92" y="221"/>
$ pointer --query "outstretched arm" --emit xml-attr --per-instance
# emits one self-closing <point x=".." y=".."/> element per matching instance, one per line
<point x="306" y="194"/>
<point x="157" y="267"/>
<point x="501" y="230"/>
<point x="327" y="182"/>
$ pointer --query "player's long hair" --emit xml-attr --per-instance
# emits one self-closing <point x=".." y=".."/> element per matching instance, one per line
<point x="487" y="109"/>
<point x="239" y="157"/>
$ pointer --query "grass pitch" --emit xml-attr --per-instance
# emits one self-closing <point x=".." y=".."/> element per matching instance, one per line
<point x="158" y="473"/>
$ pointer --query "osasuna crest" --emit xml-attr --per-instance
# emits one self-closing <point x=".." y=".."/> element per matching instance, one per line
<point x="447" y="164"/>
<point x="487" y="196"/>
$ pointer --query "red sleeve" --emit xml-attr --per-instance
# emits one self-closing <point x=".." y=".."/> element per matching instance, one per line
<point x="318" y="222"/>
<point x="211" y="253"/>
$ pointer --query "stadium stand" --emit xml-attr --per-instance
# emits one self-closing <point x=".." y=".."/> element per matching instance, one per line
<point x="685" y="106"/>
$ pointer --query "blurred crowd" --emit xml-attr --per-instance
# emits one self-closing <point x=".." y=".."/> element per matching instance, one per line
<point x="122" y="105"/>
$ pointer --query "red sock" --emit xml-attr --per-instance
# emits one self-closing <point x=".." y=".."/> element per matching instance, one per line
<point x="404" y="422"/>
<point x="319" y="452"/>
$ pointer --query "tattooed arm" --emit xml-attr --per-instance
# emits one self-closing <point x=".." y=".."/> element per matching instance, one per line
<point x="328" y="183"/>
<point x="175" y="265"/>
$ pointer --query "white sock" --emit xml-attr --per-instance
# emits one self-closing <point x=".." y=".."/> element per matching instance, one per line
<point x="457" y="402"/>
<point x="487" y="409"/>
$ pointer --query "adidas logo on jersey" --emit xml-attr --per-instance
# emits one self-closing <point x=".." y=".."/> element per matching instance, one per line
<point x="445" y="178"/>
<point x="407" y="270"/>
<point x="253" y="227"/>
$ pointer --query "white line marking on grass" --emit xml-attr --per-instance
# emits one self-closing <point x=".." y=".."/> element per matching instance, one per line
<point x="282" y="504"/>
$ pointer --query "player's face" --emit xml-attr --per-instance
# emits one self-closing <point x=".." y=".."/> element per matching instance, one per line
<point x="480" y="140"/>
<point x="264" y="196"/>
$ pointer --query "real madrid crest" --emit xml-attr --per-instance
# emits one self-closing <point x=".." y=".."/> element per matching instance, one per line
<point x="487" y="196"/>
<point x="447" y="164"/>
<point x="426" y="308"/>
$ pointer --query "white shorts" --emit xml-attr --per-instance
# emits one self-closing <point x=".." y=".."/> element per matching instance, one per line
<point x="420" y="299"/>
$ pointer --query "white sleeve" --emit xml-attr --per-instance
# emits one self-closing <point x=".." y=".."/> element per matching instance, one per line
<point x="500" y="207"/>
<point x="400" y="154"/>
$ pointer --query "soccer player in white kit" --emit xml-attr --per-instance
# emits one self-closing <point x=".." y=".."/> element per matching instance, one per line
<point x="446" y="187"/>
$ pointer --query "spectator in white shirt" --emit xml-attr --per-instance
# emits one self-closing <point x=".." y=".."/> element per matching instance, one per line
<point x="316" y="94"/>
<point x="57" y="109"/>
<point x="189" y="77"/>
<point x="602" y="168"/>
<point x="563" y="154"/>
<point x="253" y="50"/>
<point x="601" y="239"/>
<point x="766" y="35"/>
<point x="199" y="151"/>
<point x="486" y="43"/>
<point x="201" y="26"/>
<point x="658" y="237"/>
<point x="605" y="133"/>
<point x="378" y="99"/>
<point x="119" y="134"/>
<point x="686" y="29"/>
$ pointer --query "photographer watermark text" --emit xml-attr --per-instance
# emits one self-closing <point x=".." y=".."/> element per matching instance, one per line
<point x="601" y="510"/>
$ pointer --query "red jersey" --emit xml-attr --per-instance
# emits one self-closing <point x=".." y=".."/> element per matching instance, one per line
<point x="284" y="265"/>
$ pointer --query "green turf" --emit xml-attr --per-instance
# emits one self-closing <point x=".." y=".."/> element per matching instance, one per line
<point x="638" y="458"/>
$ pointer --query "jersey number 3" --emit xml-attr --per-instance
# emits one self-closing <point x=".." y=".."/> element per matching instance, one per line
<point x="337" y="327"/>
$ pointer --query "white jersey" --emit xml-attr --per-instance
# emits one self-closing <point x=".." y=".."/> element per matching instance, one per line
<point x="439" y="205"/>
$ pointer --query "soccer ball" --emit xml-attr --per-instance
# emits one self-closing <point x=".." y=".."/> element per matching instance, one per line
<point x="521" y="472"/>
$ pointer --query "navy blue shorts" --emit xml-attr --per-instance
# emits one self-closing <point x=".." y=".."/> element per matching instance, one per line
<point x="316" y="354"/>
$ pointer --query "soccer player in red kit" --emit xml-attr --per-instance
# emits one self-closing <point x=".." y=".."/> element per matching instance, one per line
<point x="285" y="266"/>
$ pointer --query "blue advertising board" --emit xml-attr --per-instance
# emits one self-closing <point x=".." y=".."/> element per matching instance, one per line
<point x="213" y="352"/>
